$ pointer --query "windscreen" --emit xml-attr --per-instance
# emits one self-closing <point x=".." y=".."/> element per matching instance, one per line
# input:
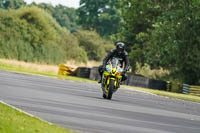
<point x="115" y="63"/>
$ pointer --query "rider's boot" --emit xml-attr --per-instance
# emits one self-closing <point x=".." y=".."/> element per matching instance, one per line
<point x="100" y="78"/>
<point x="100" y="81"/>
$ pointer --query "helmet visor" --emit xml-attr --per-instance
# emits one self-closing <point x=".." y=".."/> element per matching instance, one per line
<point x="120" y="49"/>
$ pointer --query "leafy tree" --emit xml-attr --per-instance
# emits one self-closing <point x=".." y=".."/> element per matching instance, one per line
<point x="138" y="16"/>
<point x="47" y="7"/>
<point x="174" y="44"/>
<point x="160" y="34"/>
<point x="100" y="15"/>
<point x="31" y="34"/>
<point x="71" y="46"/>
<point x="65" y="16"/>
<point x="93" y="44"/>
<point x="14" y="4"/>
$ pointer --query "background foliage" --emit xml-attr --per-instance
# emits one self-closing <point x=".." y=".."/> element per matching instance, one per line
<point x="14" y="4"/>
<point x="103" y="16"/>
<point x="93" y="44"/>
<point x="26" y="35"/>
<point x="160" y="35"/>
<point x="42" y="33"/>
<point x="65" y="16"/>
<point x="164" y="34"/>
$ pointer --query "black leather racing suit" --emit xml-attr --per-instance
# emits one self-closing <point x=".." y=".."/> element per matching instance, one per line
<point x="123" y="56"/>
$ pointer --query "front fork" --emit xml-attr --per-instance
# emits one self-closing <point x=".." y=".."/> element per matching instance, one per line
<point x="106" y="81"/>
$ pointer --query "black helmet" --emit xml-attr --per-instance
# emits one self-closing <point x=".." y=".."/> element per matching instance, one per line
<point x="120" y="46"/>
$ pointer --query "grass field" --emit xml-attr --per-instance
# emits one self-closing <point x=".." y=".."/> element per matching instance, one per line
<point x="36" y="69"/>
<point x="169" y="94"/>
<point x="13" y="121"/>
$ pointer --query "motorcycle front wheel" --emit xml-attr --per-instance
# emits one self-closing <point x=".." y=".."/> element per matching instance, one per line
<point x="111" y="88"/>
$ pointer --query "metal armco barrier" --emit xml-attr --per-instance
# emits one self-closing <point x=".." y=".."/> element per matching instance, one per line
<point x="186" y="89"/>
<point x="191" y="90"/>
<point x="195" y="90"/>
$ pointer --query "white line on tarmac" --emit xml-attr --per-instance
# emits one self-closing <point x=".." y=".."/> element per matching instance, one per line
<point x="25" y="112"/>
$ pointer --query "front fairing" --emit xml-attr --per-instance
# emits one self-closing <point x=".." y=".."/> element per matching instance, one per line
<point x="112" y="73"/>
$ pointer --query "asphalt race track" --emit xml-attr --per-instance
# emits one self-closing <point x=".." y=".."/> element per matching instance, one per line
<point x="80" y="106"/>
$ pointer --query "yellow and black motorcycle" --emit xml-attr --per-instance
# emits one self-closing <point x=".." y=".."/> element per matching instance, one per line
<point x="111" y="78"/>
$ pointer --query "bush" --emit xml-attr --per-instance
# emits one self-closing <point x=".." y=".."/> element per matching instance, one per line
<point x="93" y="44"/>
<point x="176" y="86"/>
<point x="72" y="49"/>
<point x="31" y="34"/>
<point x="146" y="71"/>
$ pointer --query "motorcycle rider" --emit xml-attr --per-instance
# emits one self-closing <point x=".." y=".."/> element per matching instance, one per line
<point x="120" y="53"/>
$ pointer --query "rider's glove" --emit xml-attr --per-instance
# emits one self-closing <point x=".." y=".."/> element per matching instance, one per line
<point x="103" y="68"/>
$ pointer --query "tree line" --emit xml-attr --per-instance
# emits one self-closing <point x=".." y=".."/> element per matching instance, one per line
<point x="46" y="34"/>
<point x="164" y="34"/>
<point x="159" y="33"/>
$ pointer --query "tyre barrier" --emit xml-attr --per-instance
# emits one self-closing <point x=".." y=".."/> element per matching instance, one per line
<point x="132" y="80"/>
<point x="83" y="72"/>
<point x="157" y="84"/>
<point x="94" y="74"/>
<point x="138" y="81"/>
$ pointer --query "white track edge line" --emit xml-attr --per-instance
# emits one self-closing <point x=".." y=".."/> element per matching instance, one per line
<point x="168" y="97"/>
<point x="25" y="112"/>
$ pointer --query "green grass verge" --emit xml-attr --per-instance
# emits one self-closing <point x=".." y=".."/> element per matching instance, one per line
<point x="13" y="121"/>
<point x="168" y="94"/>
<point x="21" y="69"/>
